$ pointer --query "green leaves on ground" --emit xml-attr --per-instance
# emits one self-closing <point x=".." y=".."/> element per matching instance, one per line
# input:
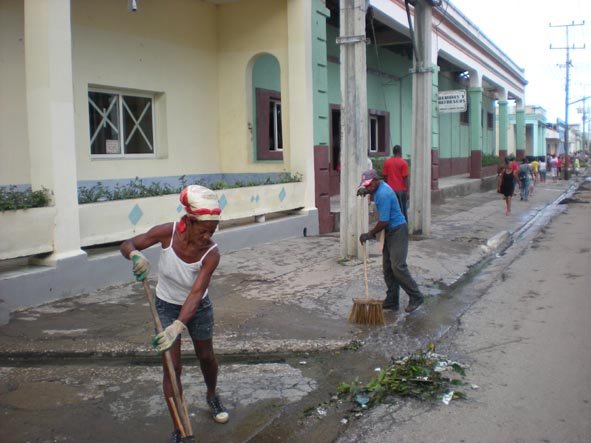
<point x="424" y="375"/>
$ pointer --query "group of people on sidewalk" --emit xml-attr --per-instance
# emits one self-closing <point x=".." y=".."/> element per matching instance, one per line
<point x="524" y="176"/>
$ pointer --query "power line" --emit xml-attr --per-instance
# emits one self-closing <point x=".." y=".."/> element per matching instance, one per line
<point x="568" y="65"/>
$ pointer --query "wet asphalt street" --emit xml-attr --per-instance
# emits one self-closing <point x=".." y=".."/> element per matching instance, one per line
<point x="81" y="370"/>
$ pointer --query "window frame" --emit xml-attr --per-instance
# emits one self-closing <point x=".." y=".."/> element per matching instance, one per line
<point x="264" y="98"/>
<point x="121" y="93"/>
<point x="490" y="118"/>
<point x="465" y="116"/>
<point x="383" y="132"/>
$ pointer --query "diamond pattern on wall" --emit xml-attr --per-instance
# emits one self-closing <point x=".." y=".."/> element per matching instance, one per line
<point x="223" y="201"/>
<point x="282" y="195"/>
<point x="135" y="215"/>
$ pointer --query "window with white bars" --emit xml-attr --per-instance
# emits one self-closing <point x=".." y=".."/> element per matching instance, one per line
<point x="121" y="124"/>
<point x="374" y="139"/>
<point x="378" y="132"/>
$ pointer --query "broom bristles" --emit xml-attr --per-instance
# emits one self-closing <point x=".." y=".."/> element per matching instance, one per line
<point x="367" y="312"/>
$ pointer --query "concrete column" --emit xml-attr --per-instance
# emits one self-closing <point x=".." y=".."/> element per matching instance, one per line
<point x="422" y="95"/>
<point x="50" y="117"/>
<point x="541" y="139"/>
<point x="300" y="101"/>
<point x="503" y="124"/>
<point x="534" y="135"/>
<point x="435" y="128"/>
<point x="520" y="131"/>
<point x="354" y="121"/>
<point x="475" y="127"/>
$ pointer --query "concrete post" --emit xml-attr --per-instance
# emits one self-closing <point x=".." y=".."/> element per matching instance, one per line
<point x="50" y="115"/>
<point x="503" y="125"/>
<point x="520" y="131"/>
<point x="354" y="121"/>
<point x="435" y="128"/>
<point x="475" y="100"/>
<point x="300" y="87"/>
<point x="422" y="89"/>
<point x="534" y="134"/>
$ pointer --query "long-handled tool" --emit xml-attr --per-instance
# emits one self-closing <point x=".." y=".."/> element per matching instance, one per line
<point x="177" y="403"/>
<point x="365" y="310"/>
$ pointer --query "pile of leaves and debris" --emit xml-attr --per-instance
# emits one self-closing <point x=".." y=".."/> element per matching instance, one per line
<point x="424" y="375"/>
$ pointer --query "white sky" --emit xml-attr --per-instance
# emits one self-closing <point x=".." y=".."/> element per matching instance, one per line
<point x="520" y="28"/>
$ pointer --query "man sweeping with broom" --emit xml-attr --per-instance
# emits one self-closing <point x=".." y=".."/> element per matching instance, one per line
<point x="395" y="250"/>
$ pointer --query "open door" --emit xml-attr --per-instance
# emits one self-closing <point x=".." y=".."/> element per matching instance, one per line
<point x="335" y="150"/>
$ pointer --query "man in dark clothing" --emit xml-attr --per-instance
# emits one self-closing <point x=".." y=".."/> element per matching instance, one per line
<point x="395" y="250"/>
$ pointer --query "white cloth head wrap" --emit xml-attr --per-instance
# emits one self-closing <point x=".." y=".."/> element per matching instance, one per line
<point x="200" y="203"/>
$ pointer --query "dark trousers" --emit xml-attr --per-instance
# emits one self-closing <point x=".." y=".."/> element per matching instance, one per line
<point x="403" y="200"/>
<point x="396" y="273"/>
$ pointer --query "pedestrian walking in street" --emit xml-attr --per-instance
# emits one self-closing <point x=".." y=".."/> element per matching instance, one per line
<point x="533" y="175"/>
<point x="535" y="165"/>
<point x="513" y="161"/>
<point x="506" y="184"/>
<point x="543" y="167"/>
<point x="395" y="251"/>
<point x="188" y="259"/>
<point x="524" y="179"/>
<point x="554" y="168"/>
<point x="395" y="173"/>
<point x="577" y="166"/>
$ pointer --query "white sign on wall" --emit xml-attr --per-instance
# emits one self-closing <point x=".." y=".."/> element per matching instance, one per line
<point x="112" y="147"/>
<point x="452" y="101"/>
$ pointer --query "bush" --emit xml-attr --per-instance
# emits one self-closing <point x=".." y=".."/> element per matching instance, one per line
<point x="12" y="199"/>
<point x="137" y="189"/>
<point x="490" y="159"/>
<point x="378" y="164"/>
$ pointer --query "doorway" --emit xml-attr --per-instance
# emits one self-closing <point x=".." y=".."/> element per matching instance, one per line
<point x="335" y="150"/>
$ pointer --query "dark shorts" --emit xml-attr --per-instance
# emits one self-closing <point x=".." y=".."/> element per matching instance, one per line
<point x="200" y="327"/>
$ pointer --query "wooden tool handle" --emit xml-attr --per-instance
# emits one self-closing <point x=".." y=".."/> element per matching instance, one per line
<point x="365" y="269"/>
<point x="190" y="429"/>
<point x="178" y="401"/>
<point x="175" y="417"/>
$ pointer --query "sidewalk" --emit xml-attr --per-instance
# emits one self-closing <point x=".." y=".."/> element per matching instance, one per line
<point x="288" y="296"/>
<point x="82" y="370"/>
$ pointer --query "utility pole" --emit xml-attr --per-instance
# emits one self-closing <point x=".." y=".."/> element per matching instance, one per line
<point x="354" y="124"/>
<point x="584" y="100"/>
<point x="566" y="103"/>
<point x="422" y="92"/>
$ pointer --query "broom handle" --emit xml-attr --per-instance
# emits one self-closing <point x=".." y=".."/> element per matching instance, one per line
<point x="365" y="269"/>
<point x="168" y="360"/>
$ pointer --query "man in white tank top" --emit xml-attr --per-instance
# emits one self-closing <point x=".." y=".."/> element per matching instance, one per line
<point x="187" y="261"/>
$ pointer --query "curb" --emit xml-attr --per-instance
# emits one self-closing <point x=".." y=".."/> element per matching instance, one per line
<point x="496" y="242"/>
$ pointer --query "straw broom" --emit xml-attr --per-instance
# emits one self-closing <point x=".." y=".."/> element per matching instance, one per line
<point x="367" y="311"/>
